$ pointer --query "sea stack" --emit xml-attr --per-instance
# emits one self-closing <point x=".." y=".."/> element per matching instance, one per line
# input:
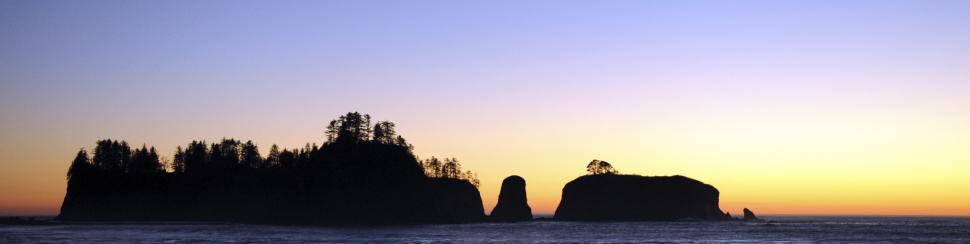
<point x="512" y="203"/>
<point x="749" y="216"/>
<point x="612" y="197"/>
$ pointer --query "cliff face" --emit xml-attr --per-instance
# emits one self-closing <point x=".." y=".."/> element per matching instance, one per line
<point x="632" y="198"/>
<point x="512" y="203"/>
<point x="119" y="198"/>
<point x="452" y="201"/>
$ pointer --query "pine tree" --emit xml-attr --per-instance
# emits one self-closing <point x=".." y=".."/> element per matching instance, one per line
<point x="80" y="164"/>
<point x="352" y="128"/>
<point x="124" y="154"/>
<point x="250" y="155"/>
<point x="178" y="161"/>
<point x="196" y="156"/>
<point x="384" y="133"/>
<point x="273" y="159"/>
<point x="157" y="165"/>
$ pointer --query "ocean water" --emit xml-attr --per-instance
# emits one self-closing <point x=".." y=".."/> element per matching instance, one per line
<point x="780" y="229"/>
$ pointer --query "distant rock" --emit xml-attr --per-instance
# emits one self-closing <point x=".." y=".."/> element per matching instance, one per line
<point x="610" y="197"/>
<point x="512" y="203"/>
<point x="749" y="216"/>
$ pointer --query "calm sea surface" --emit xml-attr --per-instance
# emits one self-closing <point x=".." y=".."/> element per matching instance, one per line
<point x="781" y="229"/>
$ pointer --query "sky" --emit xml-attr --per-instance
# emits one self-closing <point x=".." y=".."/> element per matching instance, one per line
<point x="787" y="107"/>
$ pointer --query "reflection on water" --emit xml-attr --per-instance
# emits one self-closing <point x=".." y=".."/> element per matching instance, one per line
<point x="784" y="229"/>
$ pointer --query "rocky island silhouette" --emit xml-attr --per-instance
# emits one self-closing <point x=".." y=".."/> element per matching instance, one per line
<point x="364" y="174"/>
<point x="512" y="205"/>
<point x="607" y="196"/>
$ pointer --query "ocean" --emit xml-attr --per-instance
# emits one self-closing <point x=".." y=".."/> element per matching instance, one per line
<point x="786" y="229"/>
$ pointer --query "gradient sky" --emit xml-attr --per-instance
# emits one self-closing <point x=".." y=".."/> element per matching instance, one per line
<point x="787" y="107"/>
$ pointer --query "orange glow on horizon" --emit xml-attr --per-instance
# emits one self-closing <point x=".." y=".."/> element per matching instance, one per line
<point x="807" y="107"/>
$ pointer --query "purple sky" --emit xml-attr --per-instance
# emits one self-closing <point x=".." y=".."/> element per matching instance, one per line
<point x="709" y="89"/>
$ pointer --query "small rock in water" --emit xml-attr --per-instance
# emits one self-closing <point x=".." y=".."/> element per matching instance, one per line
<point x="749" y="216"/>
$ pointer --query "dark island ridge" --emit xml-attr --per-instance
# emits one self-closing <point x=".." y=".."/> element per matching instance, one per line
<point x="363" y="174"/>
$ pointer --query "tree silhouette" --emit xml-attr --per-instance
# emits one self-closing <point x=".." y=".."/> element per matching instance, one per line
<point x="226" y="154"/>
<point x="196" y="155"/>
<point x="112" y="155"/>
<point x="287" y="159"/>
<point x="361" y="173"/>
<point x="401" y="142"/>
<point x="273" y="158"/>
<point x="333" y="128"/>
<point x="145" y="160"/>
<point x="597" y="167"/>
<point x="350" y="128"/>
<point x="384" y="132"/>
<point x="250" y="155"/>
<point x="432" y="167"/>
<point x="472" y="177"/>
<point x="178" y="160"/>
<point x="449" y="168"/>
<point x="123" y="152"/>
<point x="80" y="164"/>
